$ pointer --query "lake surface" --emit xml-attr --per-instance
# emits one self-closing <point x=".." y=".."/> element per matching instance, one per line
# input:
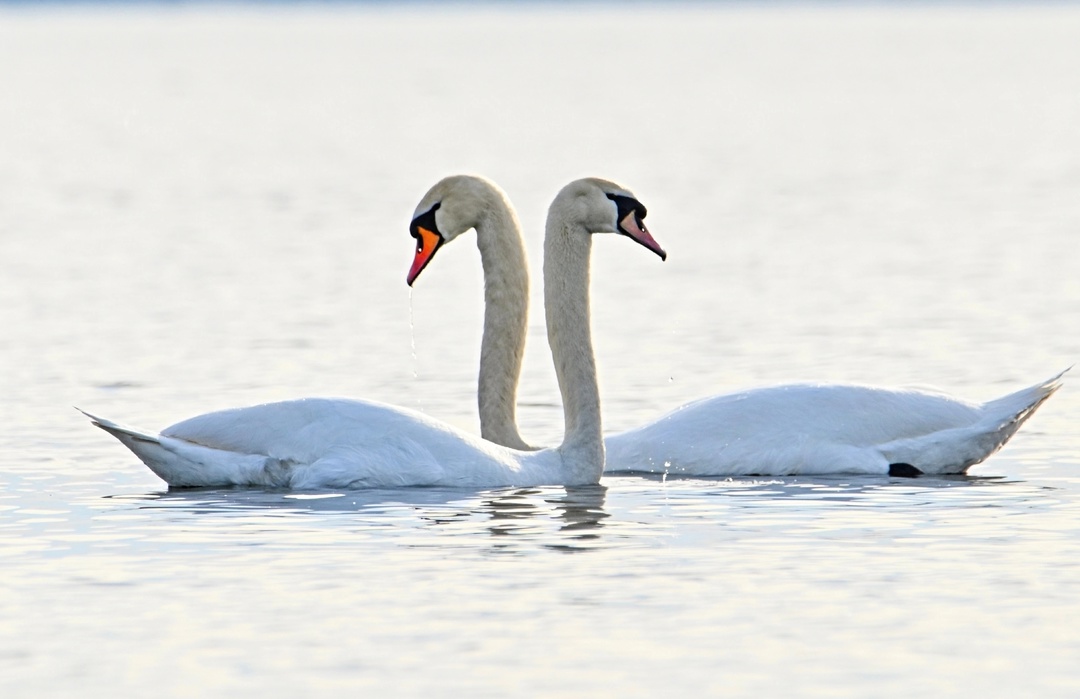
<point x="203" y="208"/>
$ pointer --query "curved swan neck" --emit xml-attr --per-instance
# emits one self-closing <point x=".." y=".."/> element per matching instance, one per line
<point x="567" y="249"/>
<point x="506" y="310"/>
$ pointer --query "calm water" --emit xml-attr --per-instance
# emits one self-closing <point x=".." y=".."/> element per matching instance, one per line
<point x="204" y="208"/>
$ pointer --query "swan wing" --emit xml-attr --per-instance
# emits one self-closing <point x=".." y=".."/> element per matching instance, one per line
<point x="328" y="443"/>
<point x="822" y="429"/>
<point x="303" y="430"/>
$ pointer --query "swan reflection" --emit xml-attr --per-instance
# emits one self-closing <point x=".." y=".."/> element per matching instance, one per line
<point x="556" y="517"/>
<point x="627" y="511"/>
<point x="579" y="510"/>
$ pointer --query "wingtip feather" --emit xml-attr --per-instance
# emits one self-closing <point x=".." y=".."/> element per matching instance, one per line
<point x="116" y="429"/>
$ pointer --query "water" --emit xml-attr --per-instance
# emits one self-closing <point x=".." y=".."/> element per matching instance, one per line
<point x="203" y="208"/>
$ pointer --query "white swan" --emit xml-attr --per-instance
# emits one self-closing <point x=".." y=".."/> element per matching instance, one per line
<point x="781" y="430"/>
<point x="339" y="443"/>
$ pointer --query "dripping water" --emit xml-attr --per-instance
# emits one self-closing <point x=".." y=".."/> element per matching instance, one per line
<point x="412" y="347"/>
<point x="412" y="337"/>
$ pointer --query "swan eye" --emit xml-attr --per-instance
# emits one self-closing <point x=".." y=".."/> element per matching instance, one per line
<point x="628" y="206"/>
<point x="425" y="220"/>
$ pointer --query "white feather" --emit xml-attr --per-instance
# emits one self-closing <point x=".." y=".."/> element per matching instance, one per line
<point x="783" y="430"/>
<point x="824" y="429"/>
<point x="340" y="443"/>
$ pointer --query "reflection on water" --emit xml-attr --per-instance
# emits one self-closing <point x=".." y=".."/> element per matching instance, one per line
<point x="572" y="516"/>
<point x="783" y="561"/>
<point x="582" y="518"/>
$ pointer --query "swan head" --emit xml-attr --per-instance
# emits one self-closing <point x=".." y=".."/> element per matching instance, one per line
<point x="455" y="205"/>
<point x="605" y="207"/>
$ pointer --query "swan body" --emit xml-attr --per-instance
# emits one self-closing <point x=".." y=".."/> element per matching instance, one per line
<point x="781" y="430"/>
<point x="341" y="443"/>
<point x="329" y="443"/>
<point x="818" y="429"/>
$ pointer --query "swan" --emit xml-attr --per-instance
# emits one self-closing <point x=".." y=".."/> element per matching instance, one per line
<point x="340" y="443"/>
<point x="808" y="429"/>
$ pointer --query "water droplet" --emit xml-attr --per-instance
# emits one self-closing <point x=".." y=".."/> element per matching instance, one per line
<point x="412" y="338"/>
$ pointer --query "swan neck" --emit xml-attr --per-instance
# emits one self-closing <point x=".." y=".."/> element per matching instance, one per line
<point x="506" y="308"/>
<point x="567" y="249"/>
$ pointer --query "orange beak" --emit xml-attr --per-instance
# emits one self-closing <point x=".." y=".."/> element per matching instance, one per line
<point x="427" y="242"/>
<point x="635" y="228"/>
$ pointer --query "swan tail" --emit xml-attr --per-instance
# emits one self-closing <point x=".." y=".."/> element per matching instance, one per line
<point x="958" y="449"/>
<point x="1009" y="412"/>
<point x="117" y="430"/>
<point x="184" y="464"/>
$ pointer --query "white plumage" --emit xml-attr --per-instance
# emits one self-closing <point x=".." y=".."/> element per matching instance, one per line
<point x="341" y="443"/>
<point x="782" y="430"/>
<point x="328" y="443"/>
<point x="822" y="429"/>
